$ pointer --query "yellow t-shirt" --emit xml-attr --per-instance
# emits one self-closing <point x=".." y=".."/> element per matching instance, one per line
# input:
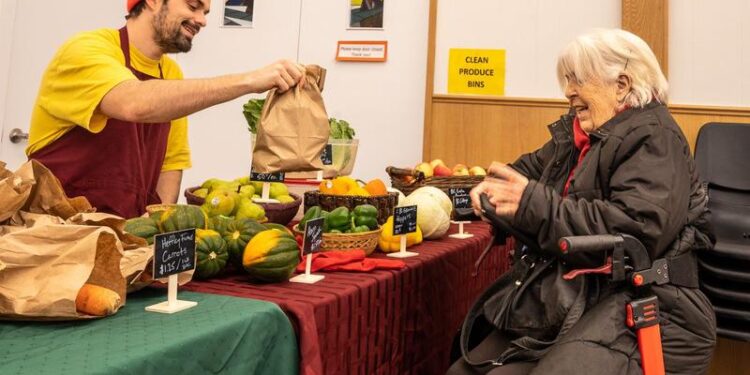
<point x="82" y="71"/>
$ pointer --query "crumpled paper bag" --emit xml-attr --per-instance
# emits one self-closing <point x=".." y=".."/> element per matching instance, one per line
<point x="50" y="245"/>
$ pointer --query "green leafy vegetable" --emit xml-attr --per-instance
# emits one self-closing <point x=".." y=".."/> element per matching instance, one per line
<point x="252" y="110"/>
<point x="340" y="129"/>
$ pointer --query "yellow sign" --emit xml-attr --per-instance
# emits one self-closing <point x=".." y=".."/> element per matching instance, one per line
<point x="476" y="71"/>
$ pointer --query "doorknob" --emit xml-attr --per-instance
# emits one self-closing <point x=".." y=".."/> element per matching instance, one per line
<point x="17" y="135"/>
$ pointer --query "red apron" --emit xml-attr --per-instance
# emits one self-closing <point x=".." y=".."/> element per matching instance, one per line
<point x="116" y="169"/>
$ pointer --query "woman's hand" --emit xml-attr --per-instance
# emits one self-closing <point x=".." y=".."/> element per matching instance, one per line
<point x="504" y="188"/>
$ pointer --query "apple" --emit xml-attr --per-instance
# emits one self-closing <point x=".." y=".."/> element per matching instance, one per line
<point x="436" y="162"/>
<point x="460" y="170"/>
<point x="425" y="168"/>
<point x="443" y="171"/>
<point x="477" y="171"/>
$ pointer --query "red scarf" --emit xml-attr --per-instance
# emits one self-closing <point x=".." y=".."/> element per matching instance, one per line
<point x="581" y="140"/>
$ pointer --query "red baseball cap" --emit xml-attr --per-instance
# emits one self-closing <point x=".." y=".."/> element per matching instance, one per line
<point x="132" y="3"/>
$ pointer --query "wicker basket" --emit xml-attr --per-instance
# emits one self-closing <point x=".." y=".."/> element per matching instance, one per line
<point x="384" y="203"/>
<point x="280" y="213"/>
<point x="408" y="180"/>
<point x="366" y="241"/>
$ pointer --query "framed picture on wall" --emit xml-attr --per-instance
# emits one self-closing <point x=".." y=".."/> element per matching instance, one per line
<point x="366" y="14"/>
<point x="238" y="13"/>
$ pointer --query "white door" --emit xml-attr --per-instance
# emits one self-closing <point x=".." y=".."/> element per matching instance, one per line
<point x="7" y="18"/>
<point x="30" y="34"/>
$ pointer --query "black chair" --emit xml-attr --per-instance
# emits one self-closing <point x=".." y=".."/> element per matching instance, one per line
<point x="722" y="154"/>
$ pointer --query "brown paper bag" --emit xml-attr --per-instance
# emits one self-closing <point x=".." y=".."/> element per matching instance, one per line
<point x="54" y="244"/>
<point x="33" y="188"/>
<point x="293" y="128"/>
<point x="46" y="259"/>
<point x="46" y="265"/>
<point x="14" y="191"/>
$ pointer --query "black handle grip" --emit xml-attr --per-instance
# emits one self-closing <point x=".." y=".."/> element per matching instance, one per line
<point x="488" y="211"/>
<point x="585" y="244"/>
<point x="487" y="208"/>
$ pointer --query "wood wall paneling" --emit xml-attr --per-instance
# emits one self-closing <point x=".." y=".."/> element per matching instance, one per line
<point x="730" y="358"/>
<point x="478" y="131"/>
<point x="649" y="19"/>
<point x="691" y="118"/>
<point x="430" y="81"/>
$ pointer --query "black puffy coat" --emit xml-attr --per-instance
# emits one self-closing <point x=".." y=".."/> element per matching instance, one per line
<point x="638" y="178"/>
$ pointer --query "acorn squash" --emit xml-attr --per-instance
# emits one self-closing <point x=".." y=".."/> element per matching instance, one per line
<point x="271" y="256"/>
<point x="143" y="227"/>
<point x="183" y="216"/>
<point x="219" y="223"/>
<point x="277" y="226"/>
<point x="211" y="253"/>
<point x="237" y="234"/>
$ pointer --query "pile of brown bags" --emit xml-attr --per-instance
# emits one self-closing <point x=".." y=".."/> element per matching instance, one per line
<point x="60" y="260"/>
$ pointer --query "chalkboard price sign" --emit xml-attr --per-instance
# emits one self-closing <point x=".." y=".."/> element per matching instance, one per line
<point x="458" y="191"/>
<point x="267" y="177"/>
<point x="174" y="253"/>
<point x="404" y="220"/>
<point x="461" y="201"/>
<point x="313" y="236"/>
<point x="327" y="155"/>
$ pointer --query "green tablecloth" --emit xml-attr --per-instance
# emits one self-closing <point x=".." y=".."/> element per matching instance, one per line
<point x="222" y="334"/>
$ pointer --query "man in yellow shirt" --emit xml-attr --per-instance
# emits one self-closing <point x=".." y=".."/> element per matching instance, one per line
<point x="109" y="119"/>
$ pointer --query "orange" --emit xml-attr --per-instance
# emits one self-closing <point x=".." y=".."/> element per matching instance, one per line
<point x="376" y="187"/>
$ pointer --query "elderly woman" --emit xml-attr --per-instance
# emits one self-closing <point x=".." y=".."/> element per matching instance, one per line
<point x="618" y="163"/>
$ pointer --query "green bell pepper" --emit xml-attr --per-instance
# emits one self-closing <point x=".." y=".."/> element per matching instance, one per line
<point x="324" y="215"/>
<point x="312" y="213"/>
<point x="360" y="229"/>
<point x="366" y="215"/>
<point x="339" y="219"/>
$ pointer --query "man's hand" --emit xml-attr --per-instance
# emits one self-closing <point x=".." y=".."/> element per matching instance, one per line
<point x="504" y="188"/>
<point x="282" y="75"/>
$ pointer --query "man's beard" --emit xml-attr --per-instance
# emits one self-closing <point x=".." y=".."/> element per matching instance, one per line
<point x="170" y="41"/>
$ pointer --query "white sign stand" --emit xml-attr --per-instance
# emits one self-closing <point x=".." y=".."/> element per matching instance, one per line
<point x="318" y="177"/>
<point x="402" y="253"/>
<point x="264" y="198"/>
<point x="461" y="235"/>
<point x="307" y="277"/>
<point x="172" y="304"/>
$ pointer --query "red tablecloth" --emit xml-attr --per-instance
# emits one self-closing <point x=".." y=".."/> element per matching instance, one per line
<point x="384" y="322"/>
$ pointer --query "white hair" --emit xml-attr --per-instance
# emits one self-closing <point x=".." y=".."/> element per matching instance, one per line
<point x="605" y="54"/>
